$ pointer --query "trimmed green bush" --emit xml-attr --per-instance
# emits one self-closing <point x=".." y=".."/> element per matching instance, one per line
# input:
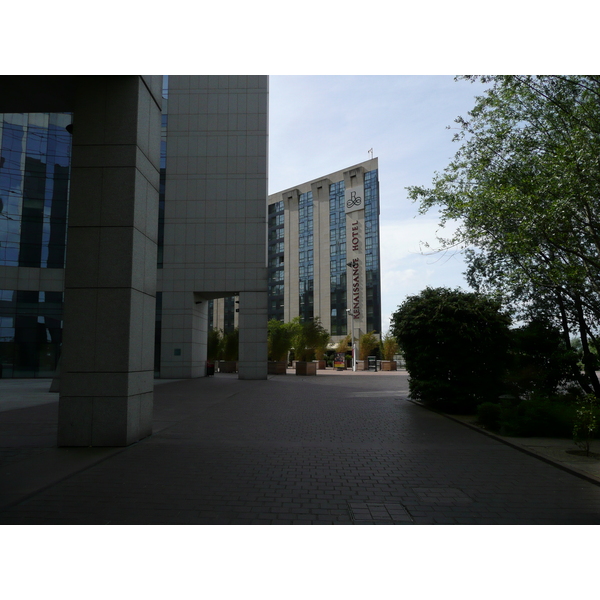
<point x="533" y="417"/>
<point x="489" y="414"/>
<point x="455" y="347"/>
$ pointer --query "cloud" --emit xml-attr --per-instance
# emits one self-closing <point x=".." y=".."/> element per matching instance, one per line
<point x="406" y="270"/>
<point x="406" y="238"/>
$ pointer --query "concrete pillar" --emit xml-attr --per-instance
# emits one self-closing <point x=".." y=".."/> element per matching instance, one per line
<point x="106" y="385"/>
<point x="252" y="362"/>
<point x="184" y="335"/>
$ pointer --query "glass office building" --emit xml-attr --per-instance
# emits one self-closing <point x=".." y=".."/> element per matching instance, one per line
<point x="34" y="192"/>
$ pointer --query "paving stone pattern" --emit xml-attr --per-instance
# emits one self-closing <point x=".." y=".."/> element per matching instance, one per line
<point x="318" y="450"/>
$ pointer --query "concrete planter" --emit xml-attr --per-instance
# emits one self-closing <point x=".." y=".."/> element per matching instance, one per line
<point x="277" y="367"/>
<point x="227" y="366"/>
<point x="389" y="365"/>
<point x="362" y="365"/>
<point x="306" y="368"/>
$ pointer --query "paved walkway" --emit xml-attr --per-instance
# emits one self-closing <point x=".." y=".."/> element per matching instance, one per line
<point x="339" y="448"/>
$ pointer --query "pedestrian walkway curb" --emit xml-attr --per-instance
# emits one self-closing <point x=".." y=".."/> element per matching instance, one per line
<point x="514" y="444"/>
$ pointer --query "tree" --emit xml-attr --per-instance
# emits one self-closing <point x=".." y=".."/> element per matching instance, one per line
<point x="455" y="347"/>
<point x="367" y="343"/>
<point x="541" y="363"/>
<point x="308" y="337"/>
<point x="322" y="343"/>
<point x="390" y="346"/>
<point x="524" y="189"/>
<point x="214" y="344"/>
<point x="279" y="339"/>
<point x="344" y="344"/>
<point x="231" y="345"/>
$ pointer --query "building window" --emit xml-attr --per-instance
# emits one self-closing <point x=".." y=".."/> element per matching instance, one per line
<point x="337" y="258"/>
<point x="305" y="256"/>
<point x="373" y="284"/>
<point x="276" y="260"/>
<point x="35" y="151"/>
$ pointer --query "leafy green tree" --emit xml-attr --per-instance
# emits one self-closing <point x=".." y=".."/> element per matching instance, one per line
<point x="455" y="347"/>
<point x="541" y="363"/>
<point x="524" y="189"/>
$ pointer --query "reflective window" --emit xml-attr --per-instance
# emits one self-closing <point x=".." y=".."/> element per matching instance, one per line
<point x="30" y="333"/>
<point x="276" y="260"/>
<point x="305" y="256"/>
<point x="35" y="156"/>
<point x="372" y="251"/>
<point x="337" y="258"/>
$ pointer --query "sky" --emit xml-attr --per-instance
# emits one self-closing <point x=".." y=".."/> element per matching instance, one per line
<point x="321" y="124"/>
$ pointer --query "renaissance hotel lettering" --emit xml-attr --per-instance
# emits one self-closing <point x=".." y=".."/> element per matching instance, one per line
<point x="323" y="254"/>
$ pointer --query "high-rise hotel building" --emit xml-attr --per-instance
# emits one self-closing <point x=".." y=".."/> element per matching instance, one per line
<point x="323" y="254"/>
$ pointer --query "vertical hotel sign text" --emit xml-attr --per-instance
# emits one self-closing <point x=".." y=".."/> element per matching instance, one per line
<point x="354" y="200"/>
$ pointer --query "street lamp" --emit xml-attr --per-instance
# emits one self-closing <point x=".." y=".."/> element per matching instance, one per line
<point x="353" y="344"/>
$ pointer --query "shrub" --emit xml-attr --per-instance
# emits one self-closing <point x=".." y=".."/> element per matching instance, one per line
<point x="214" y="344"/>
<point x="344" y="344"/>
<point x="585" y="422"/>
<point x="455" y="347"/>
<point x="489" y="414"/>
<point x="531" y="417"/>
<point x="308" y="337"/>
<point x="231" y="344"/>
<point x="540" y="362"/>
<point x="322" y="343"/>
<point x="537" y="417"/>
<point x="279" y="340"/>
<point x="389" y="346"/>
<point x="367" y="343"/>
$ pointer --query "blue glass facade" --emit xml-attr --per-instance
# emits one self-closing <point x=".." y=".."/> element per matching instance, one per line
<point x="306" y="256"/>
<point x="337" y="257"/>
<point x="373" y="280"/>
<point x="35" y="156"/>
<point x="275" y="269"/>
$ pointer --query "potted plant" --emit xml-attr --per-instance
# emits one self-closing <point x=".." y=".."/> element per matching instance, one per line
<point x="321" y="349"/>
<point x="279" y="344"/>
<point x="308" y="336"/>
<point x="368" y="342"/>
<point x="389" y="349"/>
<point x="341" y="349"/>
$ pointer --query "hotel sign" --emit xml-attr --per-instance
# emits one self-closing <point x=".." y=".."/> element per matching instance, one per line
<point x="355" y="293"/>
<point x="354" y="199"/>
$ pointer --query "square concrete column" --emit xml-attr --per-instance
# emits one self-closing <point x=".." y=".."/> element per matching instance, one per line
<point x="183" y="344"/>
<point x="252" y="362"/>
<point x="106" y="389"/>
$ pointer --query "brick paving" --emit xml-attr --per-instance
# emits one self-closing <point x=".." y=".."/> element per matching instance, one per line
<point x="337" y="449"/>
